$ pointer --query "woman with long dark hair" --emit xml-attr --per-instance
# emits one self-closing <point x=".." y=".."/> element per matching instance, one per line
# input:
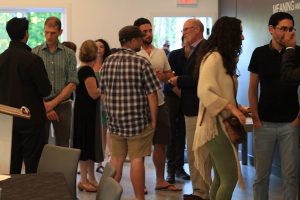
<point x="216" y="85"/>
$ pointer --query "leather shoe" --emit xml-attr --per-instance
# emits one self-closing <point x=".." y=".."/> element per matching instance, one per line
<point x="191" y="197"/>
<point x="86" y="187"/>
<point x="170" y="178"/>
<point x="180" y="173"/>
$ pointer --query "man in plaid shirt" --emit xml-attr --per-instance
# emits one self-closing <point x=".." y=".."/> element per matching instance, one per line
<point x="130" y="89"/>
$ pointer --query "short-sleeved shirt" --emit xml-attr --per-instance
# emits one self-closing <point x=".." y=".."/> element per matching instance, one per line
<point x="126" y="80"/>
<point x="277" y="102"/>
<point x="158" y="60"/>
<point x="60" y="66"/>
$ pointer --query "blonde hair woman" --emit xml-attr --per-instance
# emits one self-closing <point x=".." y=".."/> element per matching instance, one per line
<point x="87" y="117"/>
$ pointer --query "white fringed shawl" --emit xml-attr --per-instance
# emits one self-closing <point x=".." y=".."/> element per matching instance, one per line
<point x="215" y="91"/>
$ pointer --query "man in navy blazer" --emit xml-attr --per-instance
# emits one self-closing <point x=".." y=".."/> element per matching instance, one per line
<point x="187" y="83"/>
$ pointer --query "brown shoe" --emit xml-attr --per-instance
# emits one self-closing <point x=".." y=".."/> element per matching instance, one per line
<point x="86" y="187"/>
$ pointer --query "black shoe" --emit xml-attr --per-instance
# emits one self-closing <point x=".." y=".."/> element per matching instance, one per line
<point x="191" y="197"/>
<point x="171" y="178"/>
<point x="180" y="173"/>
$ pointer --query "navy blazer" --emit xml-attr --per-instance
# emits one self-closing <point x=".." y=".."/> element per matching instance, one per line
<point x="188" y="84"/>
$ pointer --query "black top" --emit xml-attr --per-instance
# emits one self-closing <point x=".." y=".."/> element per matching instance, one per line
<point x="177" y="61"/>
<point x="23" y="82"/>
<point x="278" y="102"/>
<point x="290" y="71"/>
<point x="188" y="84"/>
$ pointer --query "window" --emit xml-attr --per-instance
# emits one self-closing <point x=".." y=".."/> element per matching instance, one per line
<point x="36" y="18"/>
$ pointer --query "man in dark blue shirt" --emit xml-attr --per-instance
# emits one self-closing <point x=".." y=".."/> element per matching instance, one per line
<point x="176" y="146"/>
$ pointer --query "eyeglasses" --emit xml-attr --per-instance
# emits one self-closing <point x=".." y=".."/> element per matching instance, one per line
<point x="286" y="29"/>
<point x="187" y="28"/>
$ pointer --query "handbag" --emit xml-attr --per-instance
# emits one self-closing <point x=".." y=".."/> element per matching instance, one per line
<point x="235" y="130"/>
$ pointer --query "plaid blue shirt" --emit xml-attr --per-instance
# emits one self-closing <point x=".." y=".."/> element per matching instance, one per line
<point x="60" y="66"/>
<point x="126" y="79"/>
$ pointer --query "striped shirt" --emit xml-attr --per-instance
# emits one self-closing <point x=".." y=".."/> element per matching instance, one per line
<point x="60" y="66"/>
<point x="126" y="79"/>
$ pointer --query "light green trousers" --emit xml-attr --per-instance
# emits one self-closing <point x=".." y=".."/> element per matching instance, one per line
<point x="224" y="165"/>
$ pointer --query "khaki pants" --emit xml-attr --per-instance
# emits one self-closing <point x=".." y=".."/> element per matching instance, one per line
<point x="200" y="188"/>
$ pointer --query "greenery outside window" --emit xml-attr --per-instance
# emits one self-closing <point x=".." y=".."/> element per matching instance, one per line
<point x="36" y="20"/>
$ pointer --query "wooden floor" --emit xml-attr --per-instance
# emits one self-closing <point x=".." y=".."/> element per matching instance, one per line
<point x="239" y="194"/>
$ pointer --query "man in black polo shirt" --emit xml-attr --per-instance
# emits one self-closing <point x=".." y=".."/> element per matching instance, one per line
<point x="274" y="111"/>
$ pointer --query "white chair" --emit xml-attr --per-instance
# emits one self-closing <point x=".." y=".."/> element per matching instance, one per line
<point x="109" y="171"/>
<point x="110" y="190"/>
<point x="63" y="160"/>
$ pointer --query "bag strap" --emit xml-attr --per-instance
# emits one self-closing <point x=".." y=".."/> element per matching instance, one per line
<point x="234" y="92"/>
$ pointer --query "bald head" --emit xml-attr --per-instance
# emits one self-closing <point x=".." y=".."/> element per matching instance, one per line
<point x="193" y="30"/>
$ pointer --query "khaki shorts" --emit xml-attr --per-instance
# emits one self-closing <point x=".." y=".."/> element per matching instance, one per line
<point x="136" y="147"/>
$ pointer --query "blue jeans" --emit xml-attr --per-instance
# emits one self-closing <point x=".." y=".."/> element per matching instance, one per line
<point x="265" y="139"/>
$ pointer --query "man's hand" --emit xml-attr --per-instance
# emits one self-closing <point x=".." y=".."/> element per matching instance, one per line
<point x="48" y="106"/>
<point x="173" y="81"/>
<point x="160" y="75"/>
<point x="52" y="116"/>
<point x="296" y="122"/>
<point x="177" y="91"/>
<point x="289" y="39"/>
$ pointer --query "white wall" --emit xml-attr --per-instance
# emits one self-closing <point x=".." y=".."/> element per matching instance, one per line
<point x="92" y="19"/>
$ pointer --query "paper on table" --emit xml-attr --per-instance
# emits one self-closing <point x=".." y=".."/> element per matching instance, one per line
<point x="4" y="177"/>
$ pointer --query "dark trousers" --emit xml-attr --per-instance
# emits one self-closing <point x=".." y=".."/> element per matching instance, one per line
<point x="175" y="148"/>
<point x="27" y="146"/>
<point x="62" y="128"/>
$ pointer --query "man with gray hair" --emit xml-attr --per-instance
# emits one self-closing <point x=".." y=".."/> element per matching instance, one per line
<point x="193" y="34"/>
<point x="60" y="62"/>
<point x="130" y="89"/>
